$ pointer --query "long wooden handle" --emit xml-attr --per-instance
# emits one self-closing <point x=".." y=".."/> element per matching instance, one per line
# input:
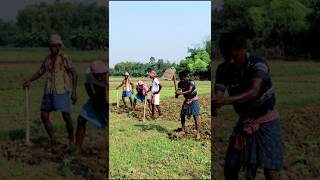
<point x="117" y="98"/>
<point x="144" y="108"/>
<point x="27" y="117"/>
<point x="174" y="81"/>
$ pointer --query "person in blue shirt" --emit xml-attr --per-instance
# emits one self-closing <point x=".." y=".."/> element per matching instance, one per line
<point x="190" y="107"/>
<point x="256" y="140"/>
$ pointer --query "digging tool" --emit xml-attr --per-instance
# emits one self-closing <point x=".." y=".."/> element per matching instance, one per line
<point x="27" y="117"/>
<point x="144" y="108"/>
<point x="117" y="98"/>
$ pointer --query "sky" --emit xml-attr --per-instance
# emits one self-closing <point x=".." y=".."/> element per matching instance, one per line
<point x="162" y="29"/>
<point x="9" y="8"/>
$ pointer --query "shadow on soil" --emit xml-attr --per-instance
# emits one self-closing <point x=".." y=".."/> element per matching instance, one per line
<point x="150" y="127"/>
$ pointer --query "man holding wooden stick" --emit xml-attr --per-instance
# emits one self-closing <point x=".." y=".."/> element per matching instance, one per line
<point x="127" y="89"/>
<point x="142" y="94"/>
<point x="60" y="87"/>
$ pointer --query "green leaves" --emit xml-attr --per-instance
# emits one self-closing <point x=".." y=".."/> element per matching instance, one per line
<point x="82" y="26"/>
<point x="198" y="63"/>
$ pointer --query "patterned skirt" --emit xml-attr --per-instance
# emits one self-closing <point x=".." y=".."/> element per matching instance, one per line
<point x="192" y="109"/>
<point x="263" y="149"/>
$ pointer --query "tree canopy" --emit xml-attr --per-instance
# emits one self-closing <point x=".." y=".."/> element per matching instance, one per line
<point x="275" y="28"/>
<point x="197" y="64"/>
<point x="82" y="26"/>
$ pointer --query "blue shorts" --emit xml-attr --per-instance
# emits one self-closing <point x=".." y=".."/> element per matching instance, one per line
<point x="89" y="114"/>
<point x="140" y="98"/>
<point x="126" y="94"/>
<point x="56" y="102"/>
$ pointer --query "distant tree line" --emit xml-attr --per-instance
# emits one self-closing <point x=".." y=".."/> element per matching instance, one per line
<point x="275" y="28"/>
<point x="82" y="26"/>
<point x="197" y="64"/>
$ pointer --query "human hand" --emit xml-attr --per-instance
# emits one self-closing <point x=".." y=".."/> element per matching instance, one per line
<point x="26" y="84"/>
<point x="179" y="92"/>
<point x="74" y="97"/>
<point x="218" y="102"/>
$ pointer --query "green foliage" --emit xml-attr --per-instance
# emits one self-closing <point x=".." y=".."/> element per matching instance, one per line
<point x="137" y="69"/>
<point x="7" y="32"/>
<point x="276" y="28"/>
<point x="82" y="26"/>
<point x="198" y="64"/>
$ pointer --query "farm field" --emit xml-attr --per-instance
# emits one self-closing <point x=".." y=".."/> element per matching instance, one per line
<point x="298" y="100"/>
<point x="39" y="161"/>
<point x="145" y="150"/>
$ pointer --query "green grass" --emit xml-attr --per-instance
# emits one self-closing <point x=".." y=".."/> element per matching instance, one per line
<point x="11" y="55"/>
<point x="204" y="87"/>
<point x="143" y="150"/>
<point x="137" y="149"/>
<point x="17" y="65"/>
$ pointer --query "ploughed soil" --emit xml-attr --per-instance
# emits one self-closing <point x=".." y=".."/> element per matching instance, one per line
<point x="170" y="109"/>
<point x="91" y="163"/>
<point x="300" y="128"/>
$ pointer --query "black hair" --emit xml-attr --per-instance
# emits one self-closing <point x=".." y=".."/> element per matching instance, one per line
<point x="229" y="41"/>
<point x="183" y="74"/>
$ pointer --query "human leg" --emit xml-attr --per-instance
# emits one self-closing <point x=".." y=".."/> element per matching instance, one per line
<point x="48" y="125"/>
<point x="81" y="132"/>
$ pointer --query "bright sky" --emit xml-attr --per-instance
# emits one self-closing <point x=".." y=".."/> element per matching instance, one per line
<point x="162" y="29"/>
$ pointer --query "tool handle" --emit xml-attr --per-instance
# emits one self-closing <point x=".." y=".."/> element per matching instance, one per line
<point x="27" y="116"/>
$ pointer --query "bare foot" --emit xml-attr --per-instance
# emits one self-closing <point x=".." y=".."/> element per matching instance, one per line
<point x="198" y="136"/>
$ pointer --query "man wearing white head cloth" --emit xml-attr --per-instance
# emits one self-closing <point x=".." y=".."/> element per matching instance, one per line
<point x="127" y="89"/>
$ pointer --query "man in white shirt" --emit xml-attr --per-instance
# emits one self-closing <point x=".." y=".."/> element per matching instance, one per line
<point x="155" y="89"/>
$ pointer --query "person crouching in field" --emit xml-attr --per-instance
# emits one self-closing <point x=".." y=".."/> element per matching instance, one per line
<point x="155" y="89"/>
<point x="187" y="88"/>
<point x="61" y="83"/>
<point x="255" y="141"/>
<point x="95" y="110"/>
<point x="127" y="89"/>
<point x="142" y="92"/>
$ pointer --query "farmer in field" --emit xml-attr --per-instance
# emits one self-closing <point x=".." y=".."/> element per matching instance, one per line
<point x="95" y="110"/>
<point x="190" y="107"/>
<point x="256" y="140"/>
<point x="127" y="89"/>
<point x="155" y="89"/>
<point x="142" y="94"/>
<point x="60" y="86"/>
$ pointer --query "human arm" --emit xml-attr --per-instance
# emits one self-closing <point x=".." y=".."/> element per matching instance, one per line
<point x="120" y="85"/>
<point x="35" y="76"/>
<point x="189" y="91"/>
<point x="259" y="74"/>
<point x="96" y="95"/>
<point x="131" y="84"/>
<point x="160" y="87"/>
<point x="74" y="79"/>
<point x="250" y="94"/>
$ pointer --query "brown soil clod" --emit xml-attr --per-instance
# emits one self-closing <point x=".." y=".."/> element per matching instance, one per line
<point x="90" y="165"/>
